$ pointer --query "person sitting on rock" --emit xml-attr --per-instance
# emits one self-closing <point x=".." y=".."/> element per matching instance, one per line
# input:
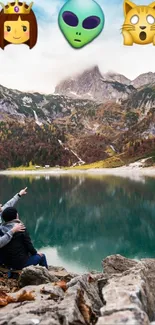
<point x="12" y="202"/>
<point x="5" y="239"/>
<point x="19" y="252"/>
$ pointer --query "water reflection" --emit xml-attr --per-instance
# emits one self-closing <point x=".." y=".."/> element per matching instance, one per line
<point x="80" y="220"/>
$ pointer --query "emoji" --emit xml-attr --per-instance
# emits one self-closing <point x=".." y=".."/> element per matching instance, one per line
<point x="139" y="24"/>
<point x="81" y="21"/>
<point x="18" y="24"/>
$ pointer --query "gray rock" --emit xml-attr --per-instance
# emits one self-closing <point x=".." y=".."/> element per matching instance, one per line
<point x="89" y="284"/>
<point x="61" y="273"/>
<point x="117" y="264"/>
<point x="35" y="275"/>
<point x="32" y="319"/>
<point x="68" y="311"/>
<point x="70" y="308"/>
<point x="124" y="295"/>
<point x="130" y="285"/>
<point x="22" y="320"/>
<point x="127" y="317"/>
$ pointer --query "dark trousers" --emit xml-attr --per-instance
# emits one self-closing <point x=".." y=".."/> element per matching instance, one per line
<point x="37" y="259"/>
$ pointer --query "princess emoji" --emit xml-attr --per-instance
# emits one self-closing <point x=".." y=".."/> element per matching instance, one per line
<point x="18" y="24"/>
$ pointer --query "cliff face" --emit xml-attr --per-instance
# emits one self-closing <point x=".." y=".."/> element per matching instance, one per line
<point x="91" y="84"/>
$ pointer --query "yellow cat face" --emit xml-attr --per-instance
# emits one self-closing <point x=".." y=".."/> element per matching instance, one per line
<point x="139" y="22"/>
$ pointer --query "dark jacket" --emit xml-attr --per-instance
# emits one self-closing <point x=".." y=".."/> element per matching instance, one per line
<point x="17" y="251"/>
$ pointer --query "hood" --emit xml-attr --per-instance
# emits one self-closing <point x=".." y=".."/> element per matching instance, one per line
<point x="8" y="225"/>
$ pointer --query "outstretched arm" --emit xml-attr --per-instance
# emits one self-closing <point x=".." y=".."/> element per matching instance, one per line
<point x="6" y="238"/>
<point x="13" y="201"/>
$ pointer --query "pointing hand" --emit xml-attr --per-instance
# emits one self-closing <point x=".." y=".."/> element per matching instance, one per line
<point x="23" y="192"/>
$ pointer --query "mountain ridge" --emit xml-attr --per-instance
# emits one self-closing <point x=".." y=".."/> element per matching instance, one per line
<point x="112" y="116"/>
<point x="73" y="86"/>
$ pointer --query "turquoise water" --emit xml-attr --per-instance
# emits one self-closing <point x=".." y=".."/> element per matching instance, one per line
<point x="77" y="221"/>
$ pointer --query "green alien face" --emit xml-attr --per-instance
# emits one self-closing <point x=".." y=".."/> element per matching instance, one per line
<point x="81" y="21"/>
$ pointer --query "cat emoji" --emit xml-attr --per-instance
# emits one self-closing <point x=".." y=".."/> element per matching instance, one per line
<point x="139" y="24"/>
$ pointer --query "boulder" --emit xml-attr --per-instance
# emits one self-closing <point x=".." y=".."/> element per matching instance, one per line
<point x="129" y="287"/>
<point x="117" y="264"/>
<point x="35" y="275"/>
<point x="61" y="273"/>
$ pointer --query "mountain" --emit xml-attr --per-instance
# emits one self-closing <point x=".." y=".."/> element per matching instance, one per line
<point x="92" y="85"/>
<point x="40" y="108"/>
<point x="90" y="117"/>
<point x="143" y="80"/>
<point x="111" y="76"/>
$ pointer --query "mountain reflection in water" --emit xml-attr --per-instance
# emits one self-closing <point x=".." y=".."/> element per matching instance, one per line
<point x="80" y="220"/>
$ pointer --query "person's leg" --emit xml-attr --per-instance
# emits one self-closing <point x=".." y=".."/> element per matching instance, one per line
<point x="33" y="260"/>
<point x="37" y="259"/>
<point x="43" y="261"/>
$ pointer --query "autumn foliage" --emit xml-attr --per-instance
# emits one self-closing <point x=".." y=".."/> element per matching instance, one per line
<point x="21" y="144"/>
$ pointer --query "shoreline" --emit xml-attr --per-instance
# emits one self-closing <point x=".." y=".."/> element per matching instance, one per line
<point x="124" y="171"/>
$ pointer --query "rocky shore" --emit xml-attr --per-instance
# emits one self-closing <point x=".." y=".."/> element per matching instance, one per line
<point x="124" y="293"/>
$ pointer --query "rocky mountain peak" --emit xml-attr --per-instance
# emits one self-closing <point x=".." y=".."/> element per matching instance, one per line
<point x="92" y="84"/>
<point x="144" y="79"/>
<point x="113" y="76"/>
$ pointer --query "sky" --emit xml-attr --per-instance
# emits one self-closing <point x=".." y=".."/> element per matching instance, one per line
<point x="53" y="59"/>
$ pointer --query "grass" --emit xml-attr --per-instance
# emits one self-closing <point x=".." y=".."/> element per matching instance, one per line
<point x="30" y="168"/>
<point x="22" y="168"/>
<point x="111" y="162"/>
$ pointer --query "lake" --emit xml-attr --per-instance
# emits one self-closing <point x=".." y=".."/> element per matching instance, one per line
<point x="79" y="220"/>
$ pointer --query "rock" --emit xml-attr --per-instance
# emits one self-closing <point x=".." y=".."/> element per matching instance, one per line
<point x="43" y="308"/>
<point x="129" y="286"/>
<point x="61" y="273"/>
<point x="124" y="292"/>
<point x="53" y="292"/>
<point x="35" y="275"/>
<point x="69" y="312"/>
<point x="124" y="295"/>
<point x="32" y="319"/>
<point x="70" y="308"/>
<point x="117" y="264"/>
<point x="21" y="320"/>
<point x="149" y="264"/>
<point x="89" y="284"/>
<point x="127" y="317"/>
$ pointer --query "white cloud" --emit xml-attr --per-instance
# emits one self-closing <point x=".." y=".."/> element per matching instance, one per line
<point x="41" y="68"/>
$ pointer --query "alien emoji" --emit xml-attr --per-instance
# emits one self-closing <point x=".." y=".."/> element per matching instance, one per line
<point x="81" y="21"/>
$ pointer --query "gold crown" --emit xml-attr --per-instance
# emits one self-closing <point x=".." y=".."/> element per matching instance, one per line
<point x="16" y="8"/>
